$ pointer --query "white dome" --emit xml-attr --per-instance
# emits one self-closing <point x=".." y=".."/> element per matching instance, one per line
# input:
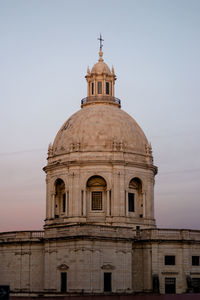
<point x="96" y="127"/>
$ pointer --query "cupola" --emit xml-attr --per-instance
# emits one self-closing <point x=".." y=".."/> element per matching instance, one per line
<point x="101" y="81"/>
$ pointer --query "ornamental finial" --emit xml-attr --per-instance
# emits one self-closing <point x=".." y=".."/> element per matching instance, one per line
<point x="100" y="41"/>
<point x="100" y="48"/>
<point x="113" y="71"/>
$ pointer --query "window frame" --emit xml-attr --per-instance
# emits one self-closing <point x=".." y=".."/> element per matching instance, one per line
<point x="101" y="200"/>
<point x="60" y="189"/>
<point x="92" y="88"/>
<point x="99" y="87"/>
<point x="196" y="284"/>
<point x="107" y="88"/>
<point x="64" y="203"/>
<point x="197" y="262"/>
<point x="107" y="288"/>
<point x="167" y="284"/>
<point x="131" y="202"/>
<point x="63" y="282"/>
<point x="167" y="262"/>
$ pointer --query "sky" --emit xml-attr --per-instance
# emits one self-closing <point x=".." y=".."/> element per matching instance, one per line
<point x="45" y="49"/>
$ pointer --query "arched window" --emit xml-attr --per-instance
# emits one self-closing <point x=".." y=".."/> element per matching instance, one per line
<point x="96" y="186"/>
<point x="99" y="87"/>
<point x="60" y="198"/>
<point x="135" y="183"/>
<point x="107" y="88"/>
<point x="135" y="195"/>
<point x="92" y="88"/>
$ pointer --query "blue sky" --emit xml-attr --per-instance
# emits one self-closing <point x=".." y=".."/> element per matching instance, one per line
<point x="45" y="49"/>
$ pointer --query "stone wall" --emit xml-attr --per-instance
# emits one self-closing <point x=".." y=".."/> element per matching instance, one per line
<point x="32" y="263"/>
<point x="21" y="261"/>
<point x="85" y="261"/>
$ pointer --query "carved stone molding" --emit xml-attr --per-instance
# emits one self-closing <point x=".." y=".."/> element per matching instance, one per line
<point x="170" y="273"/>
<point x="23" y="253"/>
<point x="49" y="251"/>
<point x="148" y="150"/>
<point x="63" y="267"/>
<point x="122" y="251"/>
<point x="118" y="146"/>
<point x="50" y="150"/>
<point x="107" y="267"/>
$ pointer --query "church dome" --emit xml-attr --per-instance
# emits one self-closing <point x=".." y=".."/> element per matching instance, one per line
<point x="100" y="127"/>
<point x="100" y="167"/>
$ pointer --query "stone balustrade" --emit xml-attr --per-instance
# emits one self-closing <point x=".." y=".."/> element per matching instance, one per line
<point x="172" y="234"/>
<point x="108" y="99"/>
<point x="21" y="235"/>
<point x="104" y="231"/>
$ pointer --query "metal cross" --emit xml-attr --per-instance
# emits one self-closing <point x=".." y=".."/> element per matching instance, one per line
<point x="101" y="40"/>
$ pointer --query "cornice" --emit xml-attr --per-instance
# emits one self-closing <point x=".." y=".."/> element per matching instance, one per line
<point x="58" y="164"/>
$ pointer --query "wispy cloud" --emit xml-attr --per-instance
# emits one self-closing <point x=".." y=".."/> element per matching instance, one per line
<point x="22" y="152"/>
<point x="181" y="171"/>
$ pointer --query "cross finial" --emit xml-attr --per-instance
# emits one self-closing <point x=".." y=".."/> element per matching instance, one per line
<point x="100" y="41"/>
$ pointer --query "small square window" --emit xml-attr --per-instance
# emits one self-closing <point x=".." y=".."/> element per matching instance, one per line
<point x="96" y="200"/>
<point x="169" y="260"/>
<point x="195" y="260"/>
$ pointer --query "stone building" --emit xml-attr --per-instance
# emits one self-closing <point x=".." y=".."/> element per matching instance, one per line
<point x="100" y="234"/>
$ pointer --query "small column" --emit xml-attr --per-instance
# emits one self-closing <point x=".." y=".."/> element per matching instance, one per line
<point x="48" y="203"/>
<point x="144" y="203"/>
<point x="95" y="87"/>
<point x="89" y="87"/>
<point x="108" y="203"/>
<point x="66" y="203"/>
<point x="53" y="205"/>
<point x="104" y="86"/>
<point x="127" y="203"/>
<point x="112" y="88"/>
<point x="48" y="208"/>
<point x="84" y="203"/>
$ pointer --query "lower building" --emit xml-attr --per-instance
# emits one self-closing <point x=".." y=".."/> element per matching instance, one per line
<point x="99" y="259"/>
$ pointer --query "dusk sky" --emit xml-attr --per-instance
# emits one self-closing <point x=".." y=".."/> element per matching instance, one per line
<point x="46" y="46"/>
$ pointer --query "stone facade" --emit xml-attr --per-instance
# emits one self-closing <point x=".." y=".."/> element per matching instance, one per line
<point x="100" y="234"/>
<point x="32" y="262"/>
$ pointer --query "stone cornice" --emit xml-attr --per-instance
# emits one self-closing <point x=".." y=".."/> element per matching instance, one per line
<point x="59" y="164"/>
<point x="94" y="152"/>
<point x="105" y="232"/>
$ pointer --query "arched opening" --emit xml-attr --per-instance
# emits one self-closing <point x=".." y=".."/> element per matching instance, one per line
<point x="60" y="198"/>
<point x="135" y="199"/>
<point x="92" y="88"/>
<point x="96" y="188"/>
<point x="135" y="183"/>
<point x="107" y="88"/>
<point x="99" y="87"/>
